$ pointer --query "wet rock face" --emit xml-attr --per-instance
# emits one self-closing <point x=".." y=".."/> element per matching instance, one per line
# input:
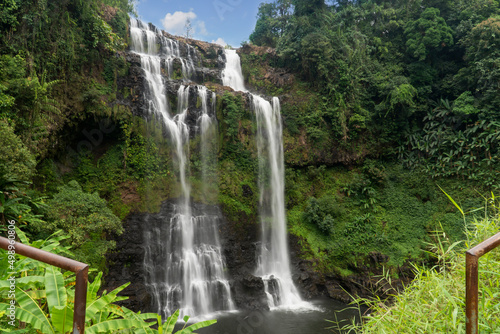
<point x="125" y="265"/>
<point x="239" y="251"/>
<point x="130" y="92"/>
<point x="365" y="282"/>
<point x="138" y="97"/>
<point x="207" y="58"/>
<point x="239" y="244"/>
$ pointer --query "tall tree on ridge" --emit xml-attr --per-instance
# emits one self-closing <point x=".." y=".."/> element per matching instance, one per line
<point x="308" y="7"/>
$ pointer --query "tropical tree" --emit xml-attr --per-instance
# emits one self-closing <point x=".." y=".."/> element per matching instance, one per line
<point x="16" y="160"/>
<point x="272" y="21"/>
<point x="427" y="35"/>
<point x="308" y="7"/>
<point x="483" y="73"/>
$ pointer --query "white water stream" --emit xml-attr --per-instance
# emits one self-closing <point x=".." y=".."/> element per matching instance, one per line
<point x="183" y="262"/>
<point x="273" y="261"/>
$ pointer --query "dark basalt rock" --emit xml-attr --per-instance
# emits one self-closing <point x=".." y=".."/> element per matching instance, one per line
<point x="125" y="265"/>
<point x="204" y="74"/>
<point x="138" y="98"/>
<point x="239" y="242"/>
<point x="126" y="262"/>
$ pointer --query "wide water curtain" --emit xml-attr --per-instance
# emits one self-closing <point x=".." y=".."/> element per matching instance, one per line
<point x="184" y="268"/>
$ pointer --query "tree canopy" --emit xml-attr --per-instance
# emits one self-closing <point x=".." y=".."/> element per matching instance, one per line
<point x="381" y="67"/>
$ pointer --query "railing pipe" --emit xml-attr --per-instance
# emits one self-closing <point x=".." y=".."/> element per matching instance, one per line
<point x="79" y="268"/>
<point x="471" y="281"/>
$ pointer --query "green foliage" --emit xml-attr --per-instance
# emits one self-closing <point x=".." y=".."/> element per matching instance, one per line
<point x="16" y="204"/>
<point x="401" y="97"/>
<point x="17" y="166"/>
<point x="428" y="34"/>
<point x="142" y="157"/>
<point x="233" y="112"/>
<point x="237" y="128"/>
<point x="8" y="18"/>
<point x="308" y="8"/>
<point x="45" y="299"/>
<point x="168" y="326"/>
<point x="27" y="100"/>
<point x="320" y="213"/>
<point x="266" y="27"/>
<point x="50" y="53"/>
<point x="482" y="76"/>
<point x="13" y="70"/>
<point x="377" y="66"/>
<point x="483" y="40"/>
<point x="363" y="186"/>
<point x="113" y="68"/>
<point x="465" y="105"/>
<point x="342" y="216"/>
<point x="272" y="20"/>
<point x="87" y="220"/>
<point x="434" y="302"/>
<point x="453" y="144"/>
<point x="16" y="161"/>
<point x="335" y="60"/>
<point x="238" y="191"/>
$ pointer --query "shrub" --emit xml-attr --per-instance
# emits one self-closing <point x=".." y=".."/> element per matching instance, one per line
<point x="321" y="213"/>
<point x="435" y="301"/>
<point x="16" y="161"/>
<point x="87" y="220"/>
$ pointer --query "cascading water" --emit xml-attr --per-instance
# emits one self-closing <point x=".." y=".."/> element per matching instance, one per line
<point x="232" y="75"/>
<point x="207" y="129"/>
<point x="147" y="39"/>
<point x="183" y="264"/>
<point x="273" y="261"/>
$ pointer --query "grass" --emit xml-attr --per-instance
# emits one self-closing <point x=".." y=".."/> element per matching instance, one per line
<point x="435" y="301"/>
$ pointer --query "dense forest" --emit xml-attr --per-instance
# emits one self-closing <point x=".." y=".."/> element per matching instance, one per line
<point x="401" y="92"/>
<point x="389" y="108"/>
<point x="419" y="76"/>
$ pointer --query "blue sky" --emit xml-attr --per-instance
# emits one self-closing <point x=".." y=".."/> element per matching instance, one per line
<point x="223" y="21"/>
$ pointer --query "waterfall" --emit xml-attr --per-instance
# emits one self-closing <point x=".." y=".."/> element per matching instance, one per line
<point x="232" y="75"/>
<point x="183" y="263"/>
<point x="147" y="39"/>
<point x="273" y="260"/>
<point x="207" y="128"/>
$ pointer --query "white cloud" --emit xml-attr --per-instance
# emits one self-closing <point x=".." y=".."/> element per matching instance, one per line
<point x="220" y="41"/>
<point x="175" y="23"/>
<point x="202" y="30"/>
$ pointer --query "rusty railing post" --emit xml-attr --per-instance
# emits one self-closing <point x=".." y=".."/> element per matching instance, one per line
<point x="80" y="269"/>
<point x="471" y="281"/>
<point x="471" y="293"/>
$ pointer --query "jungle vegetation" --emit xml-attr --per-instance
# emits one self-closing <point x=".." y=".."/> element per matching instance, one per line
<point x="407" y="92"/>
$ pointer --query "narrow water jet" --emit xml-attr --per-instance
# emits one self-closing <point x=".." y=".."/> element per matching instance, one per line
<point x="208" y="140"/>
<point x="273" y="263"/>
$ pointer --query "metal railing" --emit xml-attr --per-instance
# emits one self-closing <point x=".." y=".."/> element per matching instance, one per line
<point x="81" y="270"/>
<point x="471" y="280"/>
